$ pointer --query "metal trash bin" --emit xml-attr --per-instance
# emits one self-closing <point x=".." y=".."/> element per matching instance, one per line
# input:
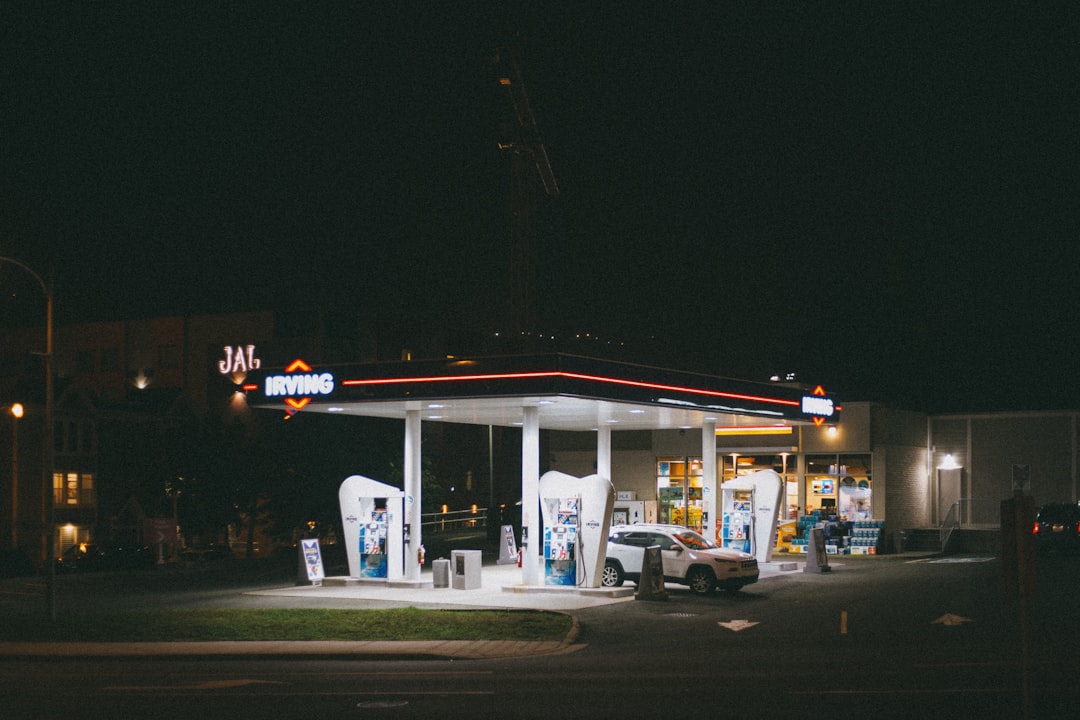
<point x="466" y="568"/>
<point x="440" y="573"/>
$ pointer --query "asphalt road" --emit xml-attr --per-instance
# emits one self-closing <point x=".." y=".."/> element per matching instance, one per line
<point x="888" y="637"/>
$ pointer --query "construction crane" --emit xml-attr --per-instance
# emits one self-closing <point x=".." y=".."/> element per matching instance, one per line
<point x="519" y="138"/>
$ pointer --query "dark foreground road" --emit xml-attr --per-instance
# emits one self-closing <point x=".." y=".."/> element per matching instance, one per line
<point x="889" y="637"/>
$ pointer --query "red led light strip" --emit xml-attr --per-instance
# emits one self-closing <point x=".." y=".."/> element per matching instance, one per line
<point x="574" y="376"/>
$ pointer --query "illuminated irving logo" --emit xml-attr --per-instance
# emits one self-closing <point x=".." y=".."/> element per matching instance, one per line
<point x="818" y="405"/>
<point x="299" y="381"/>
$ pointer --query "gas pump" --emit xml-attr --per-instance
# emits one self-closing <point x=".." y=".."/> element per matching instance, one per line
<point x="737" y="521"/>
<point x="749" y="513"/>
<point x="373" y="528"/>
<point x="577" y="516"/>
<point x="560" y="540"/>
<point x="373" y="545"/>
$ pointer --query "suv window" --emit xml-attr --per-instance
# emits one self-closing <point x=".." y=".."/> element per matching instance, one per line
<point x="694" y="541"/>
<point x="642" y="539"/>
<point x="638" y="539"/>
<point x="660" y="539"/>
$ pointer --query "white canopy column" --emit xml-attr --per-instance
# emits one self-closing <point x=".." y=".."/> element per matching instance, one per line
<point x="709" y="485"/>
<point x="603" y="452"/>
<point x="412" y="494"/>
<point x="531" y="521"/>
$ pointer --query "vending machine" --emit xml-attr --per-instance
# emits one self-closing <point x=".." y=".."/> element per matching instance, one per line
<point x="561" y="540"/>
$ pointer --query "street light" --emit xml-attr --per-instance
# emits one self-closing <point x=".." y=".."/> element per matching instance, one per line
<point x="16" y="413"/>
<point x="50" y="448"/>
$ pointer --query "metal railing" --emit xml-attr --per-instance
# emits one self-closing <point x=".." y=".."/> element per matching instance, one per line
<point x="970" y="513"/>
<point x="452" y="520"/>
<point x="950" y="523"/>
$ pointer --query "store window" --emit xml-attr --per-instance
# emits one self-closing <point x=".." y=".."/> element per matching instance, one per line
<point x="678" y="491"/>
<point x="840" y="485"/>
<point x="736" y="465"/>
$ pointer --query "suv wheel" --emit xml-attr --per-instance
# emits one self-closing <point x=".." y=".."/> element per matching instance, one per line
<point x="701" y="580"/>
<point x="612" y="575"/>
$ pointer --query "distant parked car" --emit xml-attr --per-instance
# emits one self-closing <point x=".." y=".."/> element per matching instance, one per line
<point x="689" y="559"/>
<point x="1057" y="528"/>
<point x="92" y="557"/>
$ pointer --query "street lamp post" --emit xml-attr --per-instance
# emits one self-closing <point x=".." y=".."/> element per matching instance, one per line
<point x="50" y="448"/>
<point x="16" y="413"/>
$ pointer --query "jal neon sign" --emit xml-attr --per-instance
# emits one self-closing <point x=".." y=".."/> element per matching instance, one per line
<point x="298" y="385"/>
<point x="238" y="359"/>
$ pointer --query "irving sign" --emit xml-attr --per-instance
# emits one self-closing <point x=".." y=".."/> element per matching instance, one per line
<point x="298" y="380"/>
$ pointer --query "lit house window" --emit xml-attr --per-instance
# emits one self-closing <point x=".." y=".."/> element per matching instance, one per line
<point x="72" y="489"/>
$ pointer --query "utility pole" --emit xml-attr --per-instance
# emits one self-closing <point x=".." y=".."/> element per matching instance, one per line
<point x="48" y="501"/>
<point x="520" y="138"/>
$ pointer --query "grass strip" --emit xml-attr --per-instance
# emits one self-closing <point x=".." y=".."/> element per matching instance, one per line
<point x="206" y="625"/>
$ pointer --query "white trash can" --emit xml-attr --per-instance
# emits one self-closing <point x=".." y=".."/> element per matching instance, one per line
<point x="440" y="573"/>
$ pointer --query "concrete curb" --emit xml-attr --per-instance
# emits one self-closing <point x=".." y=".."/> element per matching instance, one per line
<point x="451" y="649"/>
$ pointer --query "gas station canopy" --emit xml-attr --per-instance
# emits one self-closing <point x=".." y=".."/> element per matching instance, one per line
<point x="570" y="393"/>
<point x="541" y="392"/>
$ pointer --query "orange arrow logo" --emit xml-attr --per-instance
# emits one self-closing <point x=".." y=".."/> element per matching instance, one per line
<point x="298" y="364"/>
<point x="297" y="404"/>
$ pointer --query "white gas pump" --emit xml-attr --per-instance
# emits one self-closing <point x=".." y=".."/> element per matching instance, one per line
<point x="749" y="513"/>
<point x="577" y="515"/>
<point x="372" y="517"/>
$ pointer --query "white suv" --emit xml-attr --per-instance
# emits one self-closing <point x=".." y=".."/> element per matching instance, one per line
<point x="689" y="559"/>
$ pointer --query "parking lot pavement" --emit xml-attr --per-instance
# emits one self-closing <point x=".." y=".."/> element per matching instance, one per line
<point x="500" y="587"/>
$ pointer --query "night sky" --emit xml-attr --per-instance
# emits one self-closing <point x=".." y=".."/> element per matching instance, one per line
<point x="881" y="197"/>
